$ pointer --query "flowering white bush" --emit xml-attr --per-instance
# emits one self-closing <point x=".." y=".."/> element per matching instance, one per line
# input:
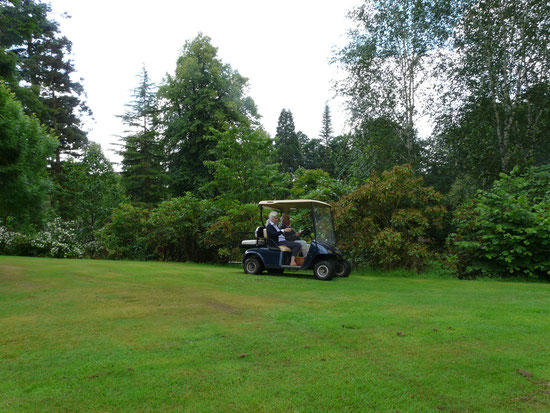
<point x="58" y="240"/>
<point x="13" y="243"/>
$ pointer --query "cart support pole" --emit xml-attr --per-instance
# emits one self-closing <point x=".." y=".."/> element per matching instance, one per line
<point x="261" y="215"/>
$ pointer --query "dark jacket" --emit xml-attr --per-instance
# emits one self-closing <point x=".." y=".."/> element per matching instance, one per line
<point x="273" y="233"/>
<point x="291" y="235"/>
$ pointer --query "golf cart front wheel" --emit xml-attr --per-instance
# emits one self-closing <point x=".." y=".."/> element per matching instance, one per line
<point x="324" y="270"/>
<point x="342" y="269"/>
<point x="252" y="265"/>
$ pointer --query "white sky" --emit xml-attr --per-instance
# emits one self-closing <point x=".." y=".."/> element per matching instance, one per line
<point x="282" y="47"/>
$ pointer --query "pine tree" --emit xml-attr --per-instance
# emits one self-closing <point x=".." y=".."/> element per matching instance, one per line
<point x="326" y="127"/>
<point x="30" y="43"/>
<point x="143" y="175"/>
<point x="287" y="143"/>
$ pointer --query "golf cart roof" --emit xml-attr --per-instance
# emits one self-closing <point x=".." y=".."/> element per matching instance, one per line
<point x="292" y="204"/>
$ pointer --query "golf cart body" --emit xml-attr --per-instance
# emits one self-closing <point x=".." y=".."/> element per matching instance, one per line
<point x="323" y="257"/>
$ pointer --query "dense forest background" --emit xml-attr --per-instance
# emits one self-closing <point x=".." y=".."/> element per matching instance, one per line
<point x="475" y="194"/>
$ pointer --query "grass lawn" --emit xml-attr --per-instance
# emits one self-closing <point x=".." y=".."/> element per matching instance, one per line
<point x="83" y="335"/>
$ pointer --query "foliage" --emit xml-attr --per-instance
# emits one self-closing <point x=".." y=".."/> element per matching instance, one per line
<point x="315" y="155"/>
<point x="244" y="168"/>
<point x="321" y="153"/>
<point x="505" y="232"/>
<point x="178" y="228"/>
<point x="126" y="234"/>
<point x="90" y="192"/>
<point x="495" y="113"/>
<point x="340" y="158"/>
<point x="377" y="145"/>
<point x="287" y="143"/>
<point x="317" y="184"/>
<point x="326" y="127"/>
<point x="503" y="57"/>
<point x="43" y="81"/>
<point x="313" y="184"/>
<point x="14" y="243"/>
<point x="25" y="148"/>
<point x="237" y="222"/>
<point x="465" y="147"/>
<point x="388" y="61"/>
<point x="204" y="95"/>
<point x="143" y="176"/>
<point x="58" y="239"/>
<point x="386" y="221"/>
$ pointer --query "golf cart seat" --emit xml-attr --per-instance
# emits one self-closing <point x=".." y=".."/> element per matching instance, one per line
<point x="270" y="243"/>
<point x="251" y="243"/>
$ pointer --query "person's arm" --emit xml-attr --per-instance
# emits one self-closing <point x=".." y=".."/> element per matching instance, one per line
<point x="273" y="231"/>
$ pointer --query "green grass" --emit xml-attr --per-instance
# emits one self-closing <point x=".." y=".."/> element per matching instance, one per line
<point x="82" y="335"/>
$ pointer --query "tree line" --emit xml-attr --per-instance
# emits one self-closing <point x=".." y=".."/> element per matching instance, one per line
<point x="478" y="71"/>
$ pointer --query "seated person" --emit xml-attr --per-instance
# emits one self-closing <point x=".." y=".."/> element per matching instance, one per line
<point x="277" y="236"/>
<point x="293" y="235"/>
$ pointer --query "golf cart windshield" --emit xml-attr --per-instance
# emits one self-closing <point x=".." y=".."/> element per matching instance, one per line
<point x="324" y="228"/>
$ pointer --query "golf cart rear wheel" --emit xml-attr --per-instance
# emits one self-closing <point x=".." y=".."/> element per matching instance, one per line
<point x="252" y="265"/>
<point x="342" y="269"/>
<point x="324" y="270"/>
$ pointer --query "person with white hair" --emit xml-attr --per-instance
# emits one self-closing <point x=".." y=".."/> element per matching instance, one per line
<point x="275" y="234"/>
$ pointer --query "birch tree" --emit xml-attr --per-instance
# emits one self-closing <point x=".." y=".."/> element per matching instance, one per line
<point x="504" y="55"/>
<point x="387" y="60"/>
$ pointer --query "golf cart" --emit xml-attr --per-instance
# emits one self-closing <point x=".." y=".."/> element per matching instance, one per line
<point x="323" y="257"/>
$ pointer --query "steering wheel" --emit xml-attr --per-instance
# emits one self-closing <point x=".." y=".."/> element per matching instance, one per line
<point x="306" y="232"/>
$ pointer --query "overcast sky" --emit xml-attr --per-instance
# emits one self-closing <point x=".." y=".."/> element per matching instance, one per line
<point x="282" y="47"/>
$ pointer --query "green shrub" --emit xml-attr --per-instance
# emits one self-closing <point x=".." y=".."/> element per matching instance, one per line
<point x="505" y="232"/>
<point x="231" y="227"/>
<point x="385" y="223"/>
<point x="178" y="229"/>
<point x="125" y="236"/>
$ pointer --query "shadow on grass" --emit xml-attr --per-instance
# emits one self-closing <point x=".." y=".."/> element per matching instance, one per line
<point x="286" y="274"/>
<point x="294" y="274"/>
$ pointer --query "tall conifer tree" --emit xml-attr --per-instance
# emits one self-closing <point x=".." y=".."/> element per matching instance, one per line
<point x="326" y="127"/>
<point x="31" y="43"/>
<point x="143" y="175"/>
<point x="287" y="143"/>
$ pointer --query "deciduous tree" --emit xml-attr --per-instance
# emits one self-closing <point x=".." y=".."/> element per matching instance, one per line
<point x="245" y="168"/>
<point x="90" y="192"/>
<point x="504" y="56"/>
<point x="25" y="150"/>
<point x="203" y="95"/>
<point x="387" y="61"/>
